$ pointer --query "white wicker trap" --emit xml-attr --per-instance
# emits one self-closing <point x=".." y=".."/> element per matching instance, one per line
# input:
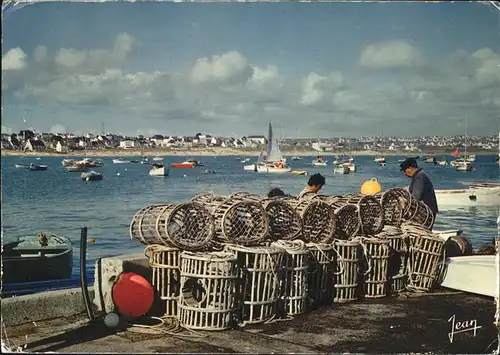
<point x="398" y="257"/>
<point x="320" y="278"/>
<point x="423" y="216"/>
<point x="207" y="299"/>
<point x="426" y="251"/>
<point x="294" y="281"/>
<point x="374" y="266"/>
<point x="143" y="225"/>
<point x="259" y="282"/>
<point x="347" y="267"/>
<point x="165" y="275"/>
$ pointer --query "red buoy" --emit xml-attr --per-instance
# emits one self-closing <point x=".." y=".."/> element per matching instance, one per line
<point x="133" y="295"/>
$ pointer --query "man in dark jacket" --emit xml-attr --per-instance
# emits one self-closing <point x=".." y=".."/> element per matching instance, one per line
<point x="421" y="185"/>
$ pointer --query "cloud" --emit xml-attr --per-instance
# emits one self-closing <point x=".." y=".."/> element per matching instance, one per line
<point x="391" y="55"/>
<point x="228" y="92"/>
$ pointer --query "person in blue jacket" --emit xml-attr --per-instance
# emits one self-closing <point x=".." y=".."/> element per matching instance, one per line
<point x="421" y="185"/>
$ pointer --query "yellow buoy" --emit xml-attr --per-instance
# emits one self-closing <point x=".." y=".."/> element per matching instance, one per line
<point x="91" y="240"/>
<point x="371" y="187"/>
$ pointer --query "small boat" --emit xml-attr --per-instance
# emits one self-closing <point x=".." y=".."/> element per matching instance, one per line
<point x="158" y="170"/>
<point x="184" y="165"/>
<point x="341" y="169"/>
<point x="22" y="166"/>
<point x="250" y="167"/>
<point x="121" y="161"/>
<point x="195" y="162"/>
<point x="75" y="168"/>
<point x="299" y="172"/>
<point x="91" y="176"/>
<point x="484" y="194"/>
<point x="85" y="163"/>
<point x="157" y="158"/>
<point x="296" y="158"/>
<point x="379" y="159"/>
<point x="35" y="167"/>
<point x="430" y="160"/>
<point x="67" y="162"/>
<point x="273" y="168"/>
<point x="471" y="158"/>
<point x="476" y="274"/>
<point x="39" y="257"/>
<point x="442" y="162"/>
<point x="350" y="165"/>
<point x="465" y="166"/>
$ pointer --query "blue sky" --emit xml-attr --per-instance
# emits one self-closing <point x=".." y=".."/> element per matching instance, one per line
<point x="315" y="69"/>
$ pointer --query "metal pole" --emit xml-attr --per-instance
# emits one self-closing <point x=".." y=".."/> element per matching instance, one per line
<point x="83" y="272"/>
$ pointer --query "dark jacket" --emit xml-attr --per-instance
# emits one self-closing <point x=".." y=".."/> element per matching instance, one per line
<point x="421" y="187"/>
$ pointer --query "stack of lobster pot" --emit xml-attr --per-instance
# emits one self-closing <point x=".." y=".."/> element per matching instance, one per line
<point x="347" y="221"/>
<point x="237" y="220"/>
<point x="374" y="266"/>
<point x="320" y="274"/>
<point x="346" y="271"/>
<point x="259" y="282"/>
<point x="393" y="206"/>
<point x="398" y="257"/>
<point x="208" y="290"/>
<point x="426" y="251"/>
<point x="370" y="212"/>
<point x="294" y="280"/>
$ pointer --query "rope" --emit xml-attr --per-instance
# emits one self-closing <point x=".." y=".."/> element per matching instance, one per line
<point x="166" y="325"/>
<point x="365" y="253"/>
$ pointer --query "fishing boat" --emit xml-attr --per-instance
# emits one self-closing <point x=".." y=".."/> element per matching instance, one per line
<point x="341" y="169"/>
<point x="39" y="257"/>
<point x="35" y="167"/>
<point x="121" y="161"/>
<point x="75" y="168"/>
<point x="183" y="165"/>
<point x="21" y="166"/>
<point x="91" y="176"/>
<point x="479" y="194"/>
<point x="274" y="162"/>
<point x="465" y="166"/>
<point x="85" y="162"/>
<point x="319" y="161"/>
<point x="476" y="274"/>
<point x="158" y="169"/>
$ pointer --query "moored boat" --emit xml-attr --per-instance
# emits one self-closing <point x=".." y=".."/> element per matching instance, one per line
<point x="75" y="168"/>
<point x="319" y="161"/>
<point x="273" y="168"/>
<point x="274" y="161"/>
<point x="91" y="176"/>
<point x="21" y="166"/>
<point x="476" y="195"/>
<point x="158" y="170"/>
<point x="184" y="165"/>
<point x="67" y="162"/>
<point x="121" y="161"/>
<point x="39" y="257"/>
<point x="379" y="159"/>
<point x="299" y="172"/>
<point x="341" y="169"/>
<point x="35" y="167"/>
<point x="157" y="158"/>
<point x="350" y="165"/>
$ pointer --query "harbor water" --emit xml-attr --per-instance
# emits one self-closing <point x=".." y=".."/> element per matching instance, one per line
<point x="60" y="202"/>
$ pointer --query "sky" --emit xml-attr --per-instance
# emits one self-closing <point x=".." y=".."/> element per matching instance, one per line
<point x="313" y="69"/>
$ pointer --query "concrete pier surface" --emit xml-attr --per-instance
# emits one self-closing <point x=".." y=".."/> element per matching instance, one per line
<point x="417" y="323"/>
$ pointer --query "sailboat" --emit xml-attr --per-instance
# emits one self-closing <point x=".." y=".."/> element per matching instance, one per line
<point x="464" y="164"/>
<point x="253" y="166"/>
<point x="347" y="162"/>
<point x="274" y="162"/>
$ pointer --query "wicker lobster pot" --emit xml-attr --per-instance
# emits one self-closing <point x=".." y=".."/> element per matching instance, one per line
<point x="294" y="281"/>
<point x="188" y="226"/>
<point x="207" y="299"/>
<point x="284" y="221"/>
<point x="165" y="278"/>
<point x="320" y="275"/>
<point x="317" y="218"/>
<point x="398" y="257"/>
<point x="409" y="203"/>
<point x="237" y="220"/>
<point x="370" y="212"/>
<point x="259" y="282"/>
<point x="423" y="216"/>
<point x="374" y="266"/>
<point x="143" y="225"/>
<point x="426" y="251"/>
<point x="393" y="206"/>
<point x="346" y="275"/>
<point x="347" y="223"/>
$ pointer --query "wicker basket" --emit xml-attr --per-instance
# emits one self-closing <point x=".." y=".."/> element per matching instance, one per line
<point x="409" y="203"/>
<point x="347" y="222"/>
<point x="346" y="275"/>
<point x="426" y="251"/>
<point x="294" y="281"/>
<point x="165" y="275"/>
<point x="398" y="257"/>
<point x="423" y="216"/>
<point x="317" y="217"/>
<point x="143" y="225"/>
<point x="320" y="275"/>
<point x="258" y="288"/>
<point x="370" y="212"/>
<point x="237" y="220"/>
<point x="374" y="266"/>
<point x="208" y="284"/>
<point x="284" y="221"/>
<point x="393" y="206"/>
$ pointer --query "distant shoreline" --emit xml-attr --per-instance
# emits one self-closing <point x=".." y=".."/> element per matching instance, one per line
<point x="219" y="152"/>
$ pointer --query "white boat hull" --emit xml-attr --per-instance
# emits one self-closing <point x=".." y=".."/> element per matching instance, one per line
<point x="316" y="163"/>
<point x="341" y="170"/>
<point x="379" y="160"/>
<point x="475" y="274"/>
<point x="481" y="196"/>
<point x="350" y="166"/>
<point x="250" y="167"/>
<point x="118" y="161"/>
<point x="159" y="172"/>
<point x="272" y="169"/>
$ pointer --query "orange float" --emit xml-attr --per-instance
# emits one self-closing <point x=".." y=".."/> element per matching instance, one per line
<point x="132" y="294"/>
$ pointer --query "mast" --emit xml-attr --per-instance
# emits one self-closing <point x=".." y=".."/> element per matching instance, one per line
<point x="465" y="144"/>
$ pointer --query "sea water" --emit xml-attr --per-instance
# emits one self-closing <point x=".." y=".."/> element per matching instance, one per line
<point x="60" y="202"/>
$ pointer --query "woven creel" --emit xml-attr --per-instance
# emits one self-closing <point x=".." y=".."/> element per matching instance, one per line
<point x="165" y="275"/>
<point x="426" y="252"/>
<point x="423" y="216"/>
<point x="374" y="266"/>
<point x="207" y="299"/>
<point x="320" y="274"/>
<point x="294" y="280"/>
<point x="392" y="205"/>
<point x="370" y="212"/>
<point x="259" y="282"/>
<point x="409" y="203"/>
<point x="347" y="267"/>
<point x="284" y="221"/>
<point x="398" y="257"/>
<point x="317" y="217"/>
<point x="347" y="222"/>
<point x="143" y="225"/>
<point x="237" y="220"/>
